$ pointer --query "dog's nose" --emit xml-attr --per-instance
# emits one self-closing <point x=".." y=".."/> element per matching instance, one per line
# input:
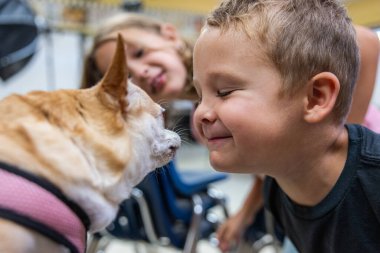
<point x="174" y="147"/>
<point x="174" y="140"/>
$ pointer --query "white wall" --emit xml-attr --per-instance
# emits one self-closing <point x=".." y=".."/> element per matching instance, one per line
<point x="52" y="67"/>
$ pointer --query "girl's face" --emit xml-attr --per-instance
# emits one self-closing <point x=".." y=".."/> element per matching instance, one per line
<point x="153" y="61"/>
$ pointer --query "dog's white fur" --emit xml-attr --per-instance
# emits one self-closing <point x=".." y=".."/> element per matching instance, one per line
<point x="94" y="144"/>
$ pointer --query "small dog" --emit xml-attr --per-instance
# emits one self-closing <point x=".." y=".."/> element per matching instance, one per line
<point x="68" y="158"/>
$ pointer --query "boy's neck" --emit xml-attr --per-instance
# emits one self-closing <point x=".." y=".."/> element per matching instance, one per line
<point x="309" y="182"/>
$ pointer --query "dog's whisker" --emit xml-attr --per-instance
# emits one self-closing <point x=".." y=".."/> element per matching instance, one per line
<point x="177" y="121"/>
<point x="185" y="141"/>
<point x="182" y="133"/>
<point x="181" y="130"/>
<point x="164" y="103"/>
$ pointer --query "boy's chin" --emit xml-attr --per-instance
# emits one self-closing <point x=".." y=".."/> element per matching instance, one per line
<point x="222" y="167"/>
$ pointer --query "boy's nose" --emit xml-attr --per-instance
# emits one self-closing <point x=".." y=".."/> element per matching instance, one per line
<point x="205" y="114"/>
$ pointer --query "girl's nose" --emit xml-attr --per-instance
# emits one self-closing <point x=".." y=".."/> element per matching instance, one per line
<point x="139" y="71"/>
<point x="142" y="72"/>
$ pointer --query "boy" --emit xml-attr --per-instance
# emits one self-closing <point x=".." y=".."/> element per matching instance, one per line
<point x="275" y="80"/>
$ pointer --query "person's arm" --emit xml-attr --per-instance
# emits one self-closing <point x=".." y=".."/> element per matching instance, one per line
<point x="230" y="232"/>
<point x="369" y="48"/>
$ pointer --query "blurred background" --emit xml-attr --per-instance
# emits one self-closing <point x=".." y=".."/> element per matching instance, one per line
<point x="66" y="27"/>
<point x="64" y="34"/>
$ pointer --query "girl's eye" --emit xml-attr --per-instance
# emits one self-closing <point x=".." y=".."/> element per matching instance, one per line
<point x="224" y="93"/>
<point x="138" y="53"/>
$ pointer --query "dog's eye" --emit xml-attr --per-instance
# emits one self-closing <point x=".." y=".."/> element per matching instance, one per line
<point x="160" y="113"/>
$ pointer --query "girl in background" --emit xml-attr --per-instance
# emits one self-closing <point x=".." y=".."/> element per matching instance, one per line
<point x="159" y="59"/>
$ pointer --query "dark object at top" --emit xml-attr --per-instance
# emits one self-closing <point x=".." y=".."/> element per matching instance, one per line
<point x="18" y="33"/>
<point x="132" y="5"/>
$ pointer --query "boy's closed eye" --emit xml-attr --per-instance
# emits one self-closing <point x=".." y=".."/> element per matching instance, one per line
<point x="224" y="93"/>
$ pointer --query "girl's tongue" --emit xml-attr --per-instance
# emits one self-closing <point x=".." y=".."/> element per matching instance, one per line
<point x="158" y="83"/>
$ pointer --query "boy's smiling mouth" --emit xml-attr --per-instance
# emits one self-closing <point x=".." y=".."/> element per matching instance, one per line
<point x="217" y="140"/>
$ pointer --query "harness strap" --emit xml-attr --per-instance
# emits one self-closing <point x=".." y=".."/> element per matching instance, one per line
<point x="39" y="205"/>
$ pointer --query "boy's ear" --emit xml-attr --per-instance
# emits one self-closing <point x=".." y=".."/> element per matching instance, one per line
<point x="114" y="83"/>
<point x="322" y="92"/>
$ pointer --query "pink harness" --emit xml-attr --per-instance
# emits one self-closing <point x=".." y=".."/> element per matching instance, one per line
<point x="37" y="204"/>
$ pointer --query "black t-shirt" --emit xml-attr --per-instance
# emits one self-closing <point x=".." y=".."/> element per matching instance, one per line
<point x="348" y="218"/>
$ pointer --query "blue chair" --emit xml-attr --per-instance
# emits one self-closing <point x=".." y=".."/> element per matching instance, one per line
<point x="179" y="187"/>
<point x="189" y="182"/>
<point x="163" y="216"/>
<point x="165" y="223"/>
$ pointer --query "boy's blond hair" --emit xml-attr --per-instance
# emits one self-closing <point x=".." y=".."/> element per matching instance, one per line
<point x="301" y="38"/>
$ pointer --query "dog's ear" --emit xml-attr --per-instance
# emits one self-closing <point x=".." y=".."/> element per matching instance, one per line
<point x="114" y="83"/>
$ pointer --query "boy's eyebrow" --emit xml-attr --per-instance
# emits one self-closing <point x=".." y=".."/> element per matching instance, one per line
<point x="217" y="77"/>
<point x="220" y="77"/>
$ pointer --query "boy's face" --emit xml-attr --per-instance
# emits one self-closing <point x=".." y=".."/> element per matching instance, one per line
<point x="241" y="117"/>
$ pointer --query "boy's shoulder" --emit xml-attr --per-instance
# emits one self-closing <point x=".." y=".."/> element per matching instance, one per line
<point x="361" y="173"/>
<point x="368" y="171"/>
<point x="363" y="153"/>
<point x="352" y="205"/>
<point x="368" y="144"/>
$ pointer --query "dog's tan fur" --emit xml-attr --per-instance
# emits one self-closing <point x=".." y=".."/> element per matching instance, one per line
<point x="93" y="144"/>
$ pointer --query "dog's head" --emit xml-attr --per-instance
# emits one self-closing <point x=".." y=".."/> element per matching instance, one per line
<point x="126" y="127"/>
<point x="122" y="131"/>
<point x="130" y="117"/>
